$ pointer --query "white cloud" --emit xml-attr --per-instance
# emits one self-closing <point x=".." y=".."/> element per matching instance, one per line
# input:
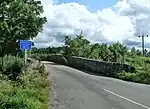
<point x="127" y="20"/>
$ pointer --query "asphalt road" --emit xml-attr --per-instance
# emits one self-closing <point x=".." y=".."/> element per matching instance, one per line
<point x="78" y="90"/>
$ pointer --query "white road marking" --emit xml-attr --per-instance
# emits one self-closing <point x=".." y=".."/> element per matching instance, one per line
<point x="129" y="100"/>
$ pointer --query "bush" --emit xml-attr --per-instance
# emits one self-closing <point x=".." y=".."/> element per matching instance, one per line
<point x="142" y="65"/>
<point x="29" y="91"/>
<point x="140" y="77"/>
<point x="11" y="66"/>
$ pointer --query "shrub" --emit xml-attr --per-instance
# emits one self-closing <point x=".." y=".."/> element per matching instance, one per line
<point x="142" y="65"/>
<point x="29" y="91"/>
<point x="11" y="66"/>
<point x="140" y="77"/>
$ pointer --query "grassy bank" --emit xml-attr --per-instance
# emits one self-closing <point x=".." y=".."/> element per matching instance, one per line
<point x="29" y="90"/>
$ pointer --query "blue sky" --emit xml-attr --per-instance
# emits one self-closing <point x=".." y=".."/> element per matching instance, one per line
<point x="93" y="4"/>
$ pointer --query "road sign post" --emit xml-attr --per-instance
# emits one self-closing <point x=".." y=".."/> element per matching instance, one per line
<point x="25" y="45"/>
<point x="25" y="57"/>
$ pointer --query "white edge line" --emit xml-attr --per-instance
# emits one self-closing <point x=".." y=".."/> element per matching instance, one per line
<point x="139" y="104"/>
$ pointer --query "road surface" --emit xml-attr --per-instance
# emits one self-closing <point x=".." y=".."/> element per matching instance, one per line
<point x="78" y="90"/>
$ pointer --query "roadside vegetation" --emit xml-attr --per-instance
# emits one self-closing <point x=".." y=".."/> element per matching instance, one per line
<point x="22" y="86"/>
<point x="142" y="74"/>
<point x="116" y="52"/>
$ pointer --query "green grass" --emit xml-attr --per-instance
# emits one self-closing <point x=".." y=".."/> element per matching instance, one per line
<point x="29" y="91"/>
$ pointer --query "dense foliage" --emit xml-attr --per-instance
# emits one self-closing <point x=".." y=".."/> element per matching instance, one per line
<point x="21" y="86"/>
<point x="81" y="47"/>
<point x="19" y="19"/>
<point x="142" y="65"/>
<point x="12" y="66"/>
<point x="49" y="50"/>
<point x="29" y="91"/>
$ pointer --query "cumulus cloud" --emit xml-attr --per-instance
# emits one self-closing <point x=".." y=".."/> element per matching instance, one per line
<point x="124" y="22"/>
<point x="139" y="12"/>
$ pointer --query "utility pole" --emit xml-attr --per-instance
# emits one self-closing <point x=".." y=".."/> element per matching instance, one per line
<point x="143" y="43"/>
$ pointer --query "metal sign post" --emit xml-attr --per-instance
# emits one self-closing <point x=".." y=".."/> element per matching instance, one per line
<point x="25" y="45"/>
<point x="25" y="56"/>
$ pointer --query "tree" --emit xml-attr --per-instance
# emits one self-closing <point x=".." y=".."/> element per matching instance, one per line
<point x="116" y="56"/>
<point x="104" y="53"/>
<point x="123" y="51"/>
<point x="67" y="41"/>
<point x="79" y="46"/>
<point x="19" y="19"/>
<point x="94" y="52"/>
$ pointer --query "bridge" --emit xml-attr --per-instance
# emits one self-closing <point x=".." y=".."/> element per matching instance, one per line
<point x="76" y="89"/>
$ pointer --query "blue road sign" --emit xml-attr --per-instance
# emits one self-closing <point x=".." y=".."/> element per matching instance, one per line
<point x="25" y="45"/>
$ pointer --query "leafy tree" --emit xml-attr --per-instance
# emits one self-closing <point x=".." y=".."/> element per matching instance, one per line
<point x="79" y="46"/>
<point x="19" y="19"/>
<point x="104" y="53"/>
<point x="116" y="55"/>
<point x="118" y="52"/>
<point x="123" y="51"/>
<point x="82" y="48"/>
<point x="95" y="51"/>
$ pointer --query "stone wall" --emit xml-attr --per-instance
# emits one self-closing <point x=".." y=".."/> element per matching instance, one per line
<point x="96" y="66"/>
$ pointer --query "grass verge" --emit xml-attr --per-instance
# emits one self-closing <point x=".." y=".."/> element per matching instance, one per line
<point x="29" y="91"/>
